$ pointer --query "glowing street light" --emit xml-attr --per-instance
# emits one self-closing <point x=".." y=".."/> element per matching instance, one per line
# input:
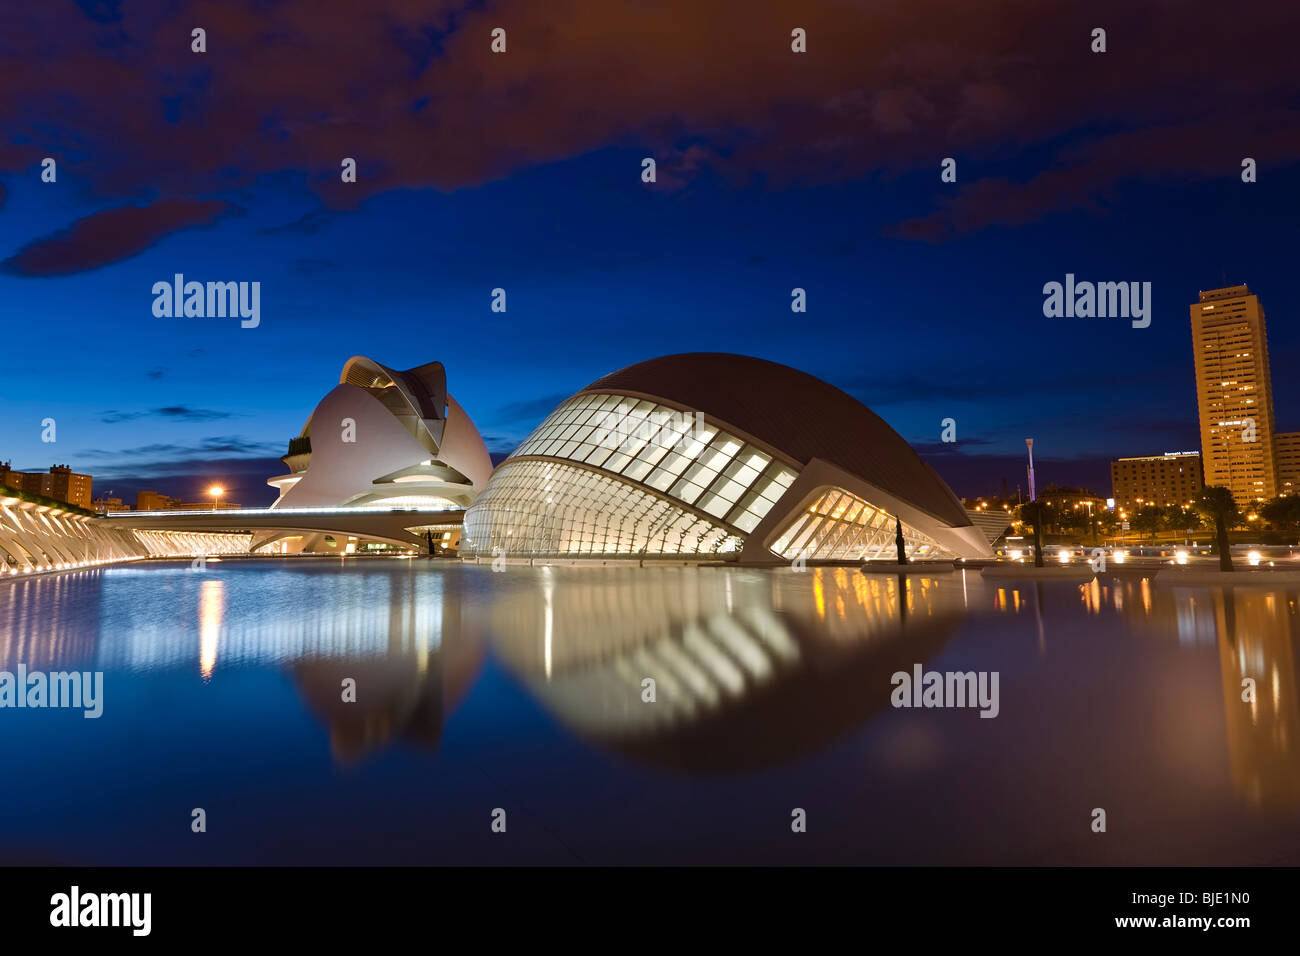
<point x="216" y="491"/>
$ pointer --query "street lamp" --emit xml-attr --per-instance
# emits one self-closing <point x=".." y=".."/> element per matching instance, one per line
<point x="216" y="491"/>
<point x="1036" y="507"/>
<point x="1029" y="443"/>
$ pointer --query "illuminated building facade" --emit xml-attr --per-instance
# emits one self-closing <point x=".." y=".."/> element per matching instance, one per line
<point x="60" y="483"/>
<point x="1171" y="479"/>
<point x="715" y="456"/>
<point x="383" y="437"/>
<point x="1286" y="453"/>
<point x="1234" y="393"/>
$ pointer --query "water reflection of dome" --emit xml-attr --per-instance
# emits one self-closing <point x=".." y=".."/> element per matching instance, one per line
<point x="751" y="668"/>
<point x="401" y="695"/>
<point x="397" y="698"/>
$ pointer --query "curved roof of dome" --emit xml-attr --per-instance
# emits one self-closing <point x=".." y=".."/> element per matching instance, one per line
<point x="794" y="412"/>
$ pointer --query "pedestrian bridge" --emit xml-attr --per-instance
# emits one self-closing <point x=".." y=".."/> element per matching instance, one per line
<point x="39" y="535"/>
<point x="274" y="529"/>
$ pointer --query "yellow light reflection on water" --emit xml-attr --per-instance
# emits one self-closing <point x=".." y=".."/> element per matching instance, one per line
<point x="212" y="606"/>
<point x="841" y="585"/>
<point x="548" y="619"/>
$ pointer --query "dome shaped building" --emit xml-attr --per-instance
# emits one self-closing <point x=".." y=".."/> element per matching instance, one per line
<point x="717" y="456"/>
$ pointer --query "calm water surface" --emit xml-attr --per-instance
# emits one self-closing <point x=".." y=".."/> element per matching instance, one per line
<point x="522" y="691"/>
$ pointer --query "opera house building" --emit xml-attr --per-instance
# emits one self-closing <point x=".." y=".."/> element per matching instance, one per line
<point x="384" y="438"/>
<point x="716" y="457"/>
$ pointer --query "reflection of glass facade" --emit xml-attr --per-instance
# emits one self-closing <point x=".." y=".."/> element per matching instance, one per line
<point x="698" y="488"/>
<point x="839" y="526"/>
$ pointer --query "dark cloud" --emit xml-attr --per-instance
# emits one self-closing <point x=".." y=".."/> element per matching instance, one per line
<point x="499" y="447"/>
<point x="165" y="457"/>
<point x="173" y="412"/>
<point x="237" y="446"/>
<point x="1084" y="177"/>
<point x="939" y="449"/>
<point x="884" y="89"/>
<point x="306" y="225"/>
<point x="110" y="236"/>
<point x="190" y="414"/>
<point x="101" y="11"/>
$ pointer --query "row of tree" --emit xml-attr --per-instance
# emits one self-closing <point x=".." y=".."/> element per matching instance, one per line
<point x="1213" y="508"/>
<point x="1279" y="514"/>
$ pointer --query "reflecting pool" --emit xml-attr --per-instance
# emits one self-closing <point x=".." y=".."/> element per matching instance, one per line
<point x="379" y="711"/>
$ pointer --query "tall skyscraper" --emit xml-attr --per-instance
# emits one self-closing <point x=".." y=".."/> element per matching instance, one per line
<point x="1235" y="393"/>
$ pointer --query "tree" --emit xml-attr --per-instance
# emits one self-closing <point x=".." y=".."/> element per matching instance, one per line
<point x="1033" y="513"/>
<point x="1182" y="519"/>
<point x="1149" y="520"/>
<point x="1282" y="512"/>
<point x="1217" y="504"/>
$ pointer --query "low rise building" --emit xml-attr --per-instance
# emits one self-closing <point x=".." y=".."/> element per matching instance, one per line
<point x="1174" y="478"/>
<point x="1286" y="449"/>
<point x="60" y="483"/>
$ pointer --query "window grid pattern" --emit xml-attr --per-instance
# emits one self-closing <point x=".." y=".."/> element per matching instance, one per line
<point x="549" y="508"/>
<point x="840" y="526"/>
<point x="677" y="453"/>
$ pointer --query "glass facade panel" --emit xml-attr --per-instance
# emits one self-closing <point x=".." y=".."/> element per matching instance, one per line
<point x="714" y="505"/>
<point x="839" y="526"/>
<point x="660" y="479"/>
<point x="539" y="508"/>
<point x="675" y="452"/>
<point x="687" y="491"/>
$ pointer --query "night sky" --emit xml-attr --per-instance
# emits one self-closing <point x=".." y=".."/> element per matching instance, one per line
<point x="522" y="170"/>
